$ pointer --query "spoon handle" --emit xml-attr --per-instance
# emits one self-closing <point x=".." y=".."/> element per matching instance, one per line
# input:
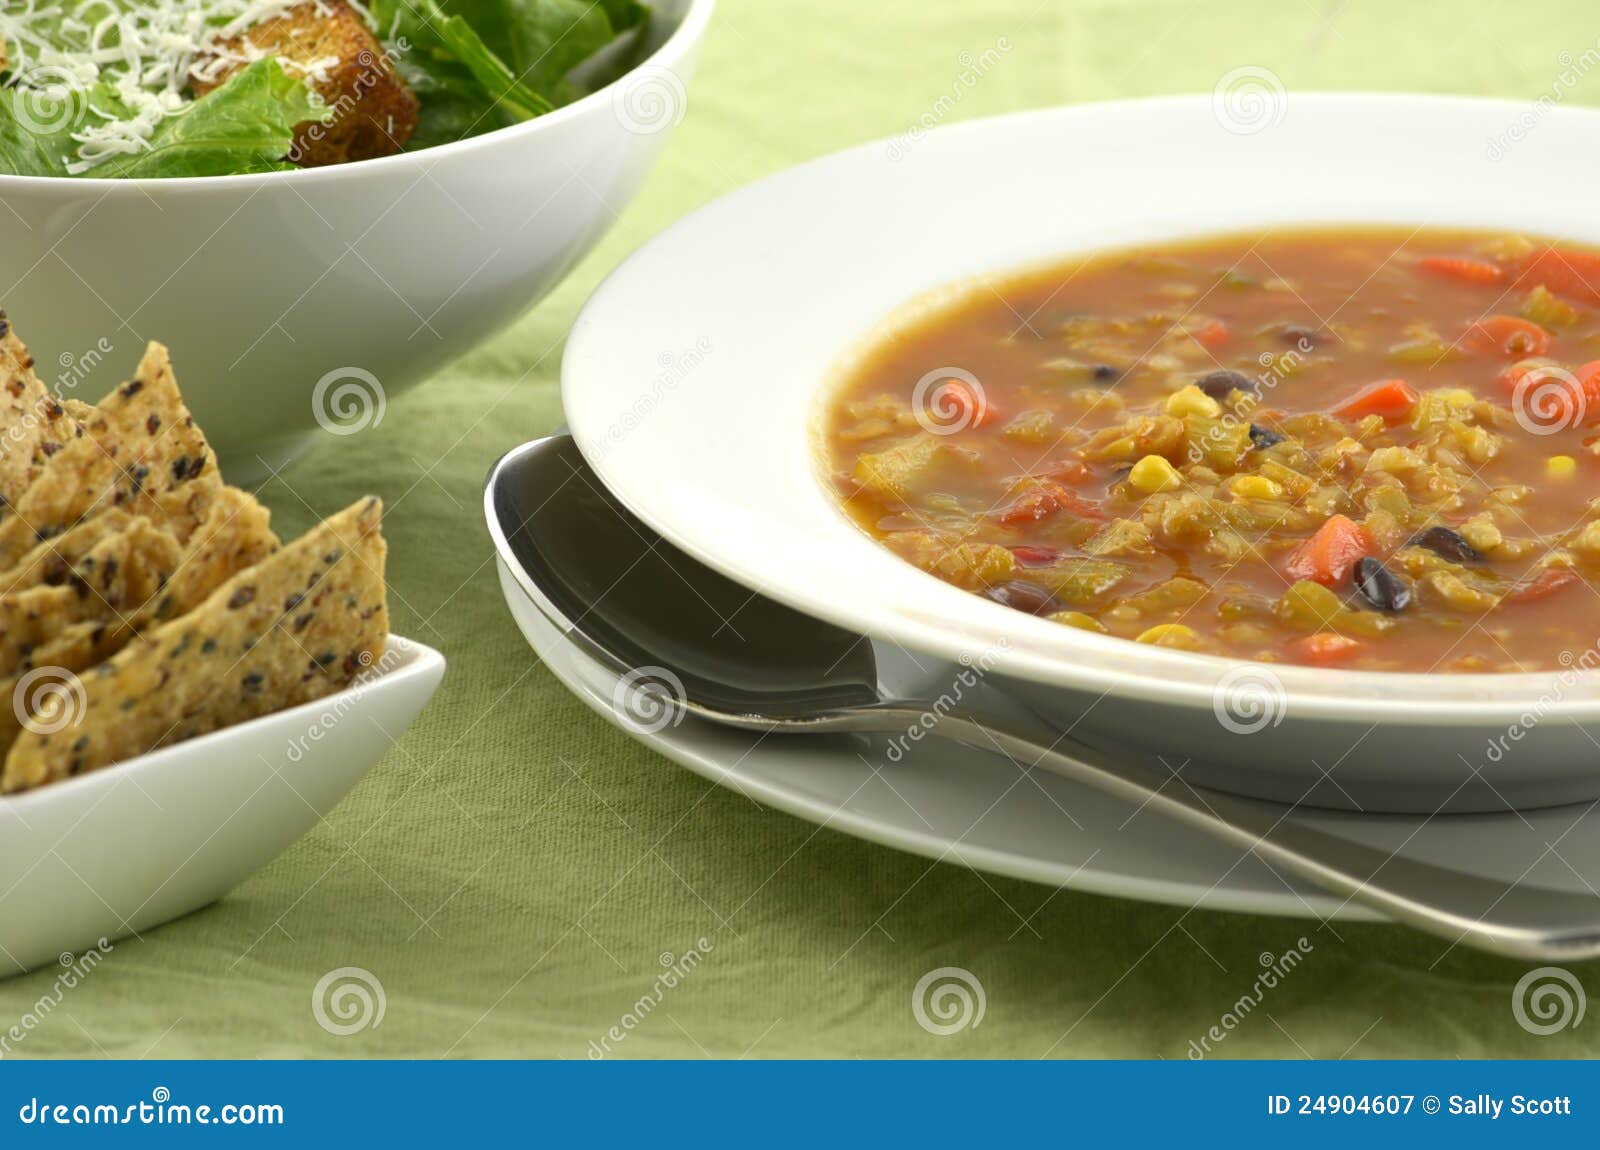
<point x="1521" y="921"/>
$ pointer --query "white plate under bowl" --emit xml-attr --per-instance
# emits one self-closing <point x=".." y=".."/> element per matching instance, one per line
<point x="951" y="803"/>
<point x="114" y="853"/>
<point x="693" y="378"/>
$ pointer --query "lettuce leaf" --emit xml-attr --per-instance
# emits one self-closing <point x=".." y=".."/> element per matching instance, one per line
<point x="245" y="125"/>
<point x="482" y="64"/>
<point x="36" y="131"/>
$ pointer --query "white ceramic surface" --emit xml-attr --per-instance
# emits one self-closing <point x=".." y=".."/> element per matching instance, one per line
<point x="692" y="380"/>
<point x="957" y="805"/>
<point x="119" y="851"/>
<point x="386" y="270"/>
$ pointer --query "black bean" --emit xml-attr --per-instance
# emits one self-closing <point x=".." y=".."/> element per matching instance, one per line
<point x="1262" y="438"/>
<point x="1105" y="373"/>
<point x="1443" y="541"/>
<point x="1381" y="587"/>
<point x="1220" y="383"/>
<point x="1301" y="338"/>
<point x="1023" y="596"/>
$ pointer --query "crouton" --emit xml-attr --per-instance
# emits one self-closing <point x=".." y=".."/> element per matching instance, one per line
<point x="326" y="41"/>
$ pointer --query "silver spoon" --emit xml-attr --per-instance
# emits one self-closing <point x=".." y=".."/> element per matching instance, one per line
<point x="631" y="601"/>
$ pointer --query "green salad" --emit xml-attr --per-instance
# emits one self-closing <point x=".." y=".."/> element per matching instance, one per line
<point x="161" y="88"/>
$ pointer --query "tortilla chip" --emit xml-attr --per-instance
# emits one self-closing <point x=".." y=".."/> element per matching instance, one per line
<point x="51" y="561"/>
<point x="141" y="452"/>
<point x="33" y="424"/>
<point x="117" y="577"/>
<point x="235" y="536"/>
<point x="295" y="627"/>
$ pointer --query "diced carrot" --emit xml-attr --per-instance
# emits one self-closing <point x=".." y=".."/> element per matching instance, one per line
<point x="1323" y="649"/>
<point x="1047" y="499"/>
<point x="957" y="403"/>
<point x="1329" y="556"/>
<point x="1030" y="556"/>
<point x="1213" y="335"/>
<point x="1542" y="585"/>
<point x="1461" y="268"/>
<point x="1551" y="395"/>
<point x="1391" y="398"/>
<point x="1507" y="335"/>
<point x="1568" y="273"/>
<point x="1588" y="377"/>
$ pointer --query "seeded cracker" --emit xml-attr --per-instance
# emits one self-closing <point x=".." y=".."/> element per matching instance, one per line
<point x="33" y="425"/>
<point x="140" y="451"/>
<point x="295" y="627"/>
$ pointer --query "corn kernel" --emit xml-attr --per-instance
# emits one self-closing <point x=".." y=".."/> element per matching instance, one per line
<point x="1172" y="635"/>
<point x="1254" y="487"/>
<point x="1481" y="532"/>
<point x="1079" y="620"/>
<point x="1192" y="401"/>
<point x="1153" y="473"/>
<point x="1561" y="467"/>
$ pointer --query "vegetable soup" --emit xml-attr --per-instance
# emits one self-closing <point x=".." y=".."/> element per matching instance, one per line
<point x="1372" y="448"/>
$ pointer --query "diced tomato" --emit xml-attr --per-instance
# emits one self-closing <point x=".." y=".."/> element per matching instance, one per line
<point x="1323" y="649"/>
<point x="1047" y="499"/>
<point x="1035" y="556"/>
<point x="1568" y="273"/>
<point x="1542" y="585"/>
<point x="1069" y="471"/>
<point x="956" y="403"/>
<point x="1507" y="335"/>
<point x="1329" y="556"/>
<point x="1213" y="335"/>
<point x="1461" y="268"/>
<point x="1391" y="398"/>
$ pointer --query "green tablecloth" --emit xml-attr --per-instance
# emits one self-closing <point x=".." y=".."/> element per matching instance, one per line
<point x="513" y="869"/>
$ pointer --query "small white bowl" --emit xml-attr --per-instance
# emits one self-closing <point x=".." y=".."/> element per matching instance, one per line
<point x="692" y="382"/>
<point x="111" y="854"/>
<point x="297" y="299"/>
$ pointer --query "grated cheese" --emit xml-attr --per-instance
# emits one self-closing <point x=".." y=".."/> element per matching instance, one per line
<point x="145" y="51"/>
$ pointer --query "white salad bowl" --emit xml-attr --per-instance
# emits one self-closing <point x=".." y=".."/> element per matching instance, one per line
<point x="297" y="299"/>
<point x="694" y="378"/>
<point x="93" y="859"/>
